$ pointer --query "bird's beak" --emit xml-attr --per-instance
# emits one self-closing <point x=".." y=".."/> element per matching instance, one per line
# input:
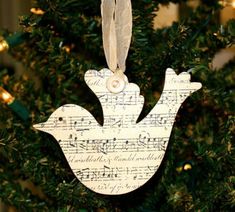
<point x="43" y="127"/>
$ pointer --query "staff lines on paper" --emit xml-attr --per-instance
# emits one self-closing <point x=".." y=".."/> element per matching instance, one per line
<point x="124" y="99"/>
<point x="81" y="123"/>
<point x="107" y="173"/>
<point x="106" y="146"/>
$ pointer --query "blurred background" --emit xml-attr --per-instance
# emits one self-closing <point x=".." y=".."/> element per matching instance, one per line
<point x="10" y="10"/>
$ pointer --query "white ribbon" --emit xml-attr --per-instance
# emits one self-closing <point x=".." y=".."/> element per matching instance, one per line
<point x="117" y="31"/>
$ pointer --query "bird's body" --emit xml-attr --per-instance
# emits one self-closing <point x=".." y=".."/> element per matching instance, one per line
<point x="121" y="155"/>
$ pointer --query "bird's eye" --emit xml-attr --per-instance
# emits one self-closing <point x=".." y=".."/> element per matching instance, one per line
<point x="60" y="119"/>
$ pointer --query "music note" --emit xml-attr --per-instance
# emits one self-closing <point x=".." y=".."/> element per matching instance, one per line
<point x="125" y="146"/>
<point x="79" y="174"/>
<point x="107" y="172"/>
<point x="104" y="146"/>
<point x="134" y="173"/>
<point x="118" y="123"/>
<point x="143" y="138"/>
<point x="86" y="172"/>
<point x="71" y="143"/>
<point x="94" y="176"/>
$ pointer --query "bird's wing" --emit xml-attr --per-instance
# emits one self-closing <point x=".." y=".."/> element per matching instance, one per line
<point x="119" y="109"/>
<point x="176" y="89"/>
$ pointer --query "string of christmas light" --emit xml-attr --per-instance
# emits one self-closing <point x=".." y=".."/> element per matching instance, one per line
<point x="13" y="104"/>
<point x="12" y="40"/>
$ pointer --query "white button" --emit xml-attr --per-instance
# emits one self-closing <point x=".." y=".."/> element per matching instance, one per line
<point x="116" y="83"/>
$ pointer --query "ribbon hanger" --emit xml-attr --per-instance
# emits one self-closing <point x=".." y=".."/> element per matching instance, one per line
<point x="116" y="31"/>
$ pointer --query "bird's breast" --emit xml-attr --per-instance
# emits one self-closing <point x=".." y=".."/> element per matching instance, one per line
<point x="114" y="161"/>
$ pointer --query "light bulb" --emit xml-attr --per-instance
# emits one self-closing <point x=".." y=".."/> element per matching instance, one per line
<point x="13" y="104"/>
<point x="37" y="11"/>
<point x="5" y="96"/>
<point x="3" y="45"/>
<point x="187" y="166"/>
<point x="233" y="4"/>
<point x="226" y="3"/>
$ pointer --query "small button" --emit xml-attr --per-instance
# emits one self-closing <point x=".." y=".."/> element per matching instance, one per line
<point x="116" y="83"/>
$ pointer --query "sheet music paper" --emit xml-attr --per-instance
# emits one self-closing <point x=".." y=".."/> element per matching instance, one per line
<point x="121" y="155"/>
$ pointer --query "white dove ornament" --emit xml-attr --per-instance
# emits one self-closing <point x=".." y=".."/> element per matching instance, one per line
<point x="121" y="155"/>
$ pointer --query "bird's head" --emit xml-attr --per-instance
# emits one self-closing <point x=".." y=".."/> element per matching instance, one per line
<point x="56" y="123"/>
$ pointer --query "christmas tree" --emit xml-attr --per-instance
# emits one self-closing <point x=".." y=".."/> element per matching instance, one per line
<point x="58" y="43"/>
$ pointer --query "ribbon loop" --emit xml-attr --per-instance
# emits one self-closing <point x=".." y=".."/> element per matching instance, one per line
<point x="117" y="31"/>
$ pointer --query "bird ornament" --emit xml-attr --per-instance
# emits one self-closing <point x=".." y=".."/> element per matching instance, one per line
<point x="122" y="154"/>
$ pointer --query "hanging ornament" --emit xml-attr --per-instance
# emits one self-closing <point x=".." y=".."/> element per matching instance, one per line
<point x="121" y="155"/>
